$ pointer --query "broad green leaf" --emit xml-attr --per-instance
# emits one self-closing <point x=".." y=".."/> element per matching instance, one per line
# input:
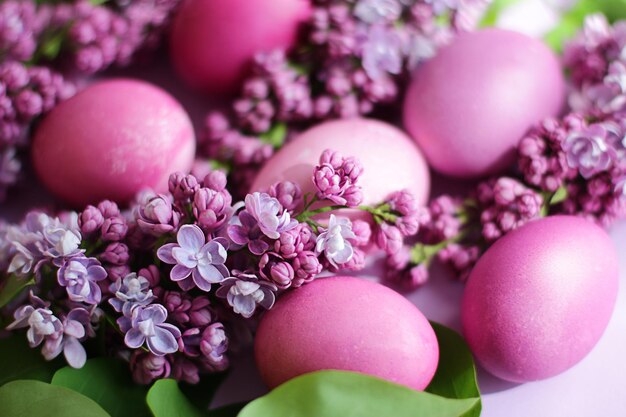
<point x="20" y="361"/>
<point x="456" y="373"/>
<point x="202" y="393"/>
<point x="26" y="398"/>
<point x="12" y="286"/>
<point x="165" y="399"/>
<point x="108" y="382"/>
<point x="341" y="394"/>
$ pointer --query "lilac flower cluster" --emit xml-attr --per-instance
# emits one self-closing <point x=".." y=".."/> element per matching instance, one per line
<point x="597" y="65"/>
<point x="169" y="277"/>
<point x="25" y="94"/>
<point x="358" y="54"/>
<point x="44" y="249"/>
<point x="92" y="36"/>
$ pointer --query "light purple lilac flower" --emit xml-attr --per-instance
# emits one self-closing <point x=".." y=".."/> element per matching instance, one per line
<point x="79" y="275"/>
<point x="130" y="291"/>
<point x="262" y="217"/>
<point x="148" y="326"/>
<point x="274" y="268"/>
<point x="381" y="51"/>
<point x="306" y="266"/>
<point x="197" y="263"/>
<point x="588" y="151"/>
<point x="244" y="291"/>
<point x="334" y="241"/>
<point x="76" y="327"/>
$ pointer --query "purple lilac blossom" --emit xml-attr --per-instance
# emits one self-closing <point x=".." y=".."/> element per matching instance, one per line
<point x="148" y="326"/>
<point x="147" y="367"/>
<point x="262" y="218"/>
<point x="197" y="263"/>
<point x="156" y="216"/>
<point x="244" y="291"/>
<point x="130" y="291"/>
<point x="588" y="151"/>
<point x="79" y="275"/>
<point x="334" y="241"/>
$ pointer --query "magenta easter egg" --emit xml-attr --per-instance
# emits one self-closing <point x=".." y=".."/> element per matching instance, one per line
<point x="111" y="140"/>
<point x="469" y="106"/>
<point x="390" y="160"/>
<point x="349" y="324"/>
<point x="212" y="42"/>
<point x="540" y="298"/>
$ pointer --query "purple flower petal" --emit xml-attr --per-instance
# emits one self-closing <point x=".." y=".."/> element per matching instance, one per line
<point x="164" y="253"/>
<point x="163" y="342"/>
<point x="134" y="338"/>
<point x="191" y="237"/>
<point x="200" y="282"/>
<point x="184" y="257"/>
<point x="179" y="272"/>
<point x="187" y="284"/>
<point x="74" y="353"/>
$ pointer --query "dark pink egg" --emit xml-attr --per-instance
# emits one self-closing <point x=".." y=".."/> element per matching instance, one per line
<point x="111" y="140"/>
<point x="350" y="324"/>
<point x="212" y="42"/>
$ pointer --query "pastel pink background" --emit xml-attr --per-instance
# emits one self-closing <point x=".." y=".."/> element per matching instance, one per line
<point x="595" y="387"/>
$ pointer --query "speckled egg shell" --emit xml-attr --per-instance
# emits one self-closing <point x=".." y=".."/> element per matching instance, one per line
<point x="391" y="161"/>
<point x="111" y="140"/>
<point x="469" y="106"/>
<point x="213" y="42"/>
<point x="540" y="298"/>
<point x="350" y="324"/>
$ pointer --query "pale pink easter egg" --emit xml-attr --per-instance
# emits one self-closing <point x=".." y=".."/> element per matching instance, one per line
<point x="212" y="42"/>
<point x="390" y="159"/>
<point x="540" y="298"/>
<point x="469" y="106"/>
<point x="111" y="140"/>
<point x="350" y="324"/>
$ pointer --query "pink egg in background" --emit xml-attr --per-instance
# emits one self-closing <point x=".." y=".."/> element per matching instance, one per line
<point x="346" y="323"/>
<point x="469" y="106"/>
<point x="540" y="298"/>
<point x="111" y="140"/>
<point x="212" y="42"/>
<point x="391" y="161"/>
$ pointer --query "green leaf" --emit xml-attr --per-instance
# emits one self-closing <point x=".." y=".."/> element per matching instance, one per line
<point x="559" y="196"/>
<point x="456" y="373"/>
<point x="165" y="399"/>
<point x="20" y="361"/>
<point x="341" y="393"/>
<point x="13" y="285"/>
<point x="276" y="135"/>
<point x="107" y="381"/>
<point x="26" y="398"/>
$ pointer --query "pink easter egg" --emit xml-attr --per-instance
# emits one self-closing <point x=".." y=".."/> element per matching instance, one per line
<point x="469" y="106"/>
<point x="111" y="140"/>
<point x="391" y="161"/>
<point x="349" y="324"/>
<point x="539" y="299"/>
<point x="213" y="42"/>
